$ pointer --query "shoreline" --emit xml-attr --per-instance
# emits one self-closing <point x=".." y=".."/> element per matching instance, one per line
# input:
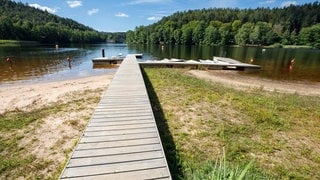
<point x="242" y="82"/>
<point x="37" y="94"/>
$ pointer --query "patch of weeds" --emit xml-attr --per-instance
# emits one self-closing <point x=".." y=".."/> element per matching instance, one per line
<point x="221" y="169"/>
<point x="16" y="120"/>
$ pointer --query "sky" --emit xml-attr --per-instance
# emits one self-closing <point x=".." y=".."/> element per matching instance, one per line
<point x="124" y="15"/>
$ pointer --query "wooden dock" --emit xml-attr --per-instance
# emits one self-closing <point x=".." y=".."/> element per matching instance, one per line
<point x="106" y="60"/>
<point x="219" y="63"/>
<point x="121" y="140"/>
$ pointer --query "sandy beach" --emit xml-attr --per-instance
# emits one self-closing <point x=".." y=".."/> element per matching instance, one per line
<point x="50" y="140"/>
<point x="31" y="96"/>
<point x="234" y="80"/>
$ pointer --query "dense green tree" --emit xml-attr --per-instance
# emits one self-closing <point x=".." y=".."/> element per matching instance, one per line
<point x="6" y="28"/>
<point x="311" y="36"/>
<point x="226" y="34"/>
<point x="212" y="36"/>
<point x="224" y="26"/>
<point x="21" y="22"/>
<point x="198" y="33"/>
<point x="243" y="36"/>
<point x="259" y="33"/>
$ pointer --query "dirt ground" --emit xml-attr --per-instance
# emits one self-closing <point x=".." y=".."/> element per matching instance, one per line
<point x="235" y="80"/>
<point x="32" y="96"/>
<point x="51" y="139"/>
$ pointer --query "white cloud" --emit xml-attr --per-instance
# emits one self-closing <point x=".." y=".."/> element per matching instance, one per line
<point x="44" y="8"/>
<point x="93" y="11"/>
<point x="267" y="2"/>
<point x="288" y="3"/>
<point x="135" y="2"/>
<point x="154" y="18"/>
<point x="123" y="15"/>
<point x="74" y="4"/>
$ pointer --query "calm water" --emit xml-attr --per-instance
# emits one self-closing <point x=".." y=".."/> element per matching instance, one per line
<point x="46" y="63"/>
<point x="275" y="62"/>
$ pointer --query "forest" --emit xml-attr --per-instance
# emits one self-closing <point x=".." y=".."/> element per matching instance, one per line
<point x="19" y="21"/>
<point x="292" y="25"/>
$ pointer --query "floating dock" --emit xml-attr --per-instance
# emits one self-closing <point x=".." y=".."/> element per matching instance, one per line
<point x="218" y="63"/>
<point x="106" y="60"/>
<point x="121" y="140"/>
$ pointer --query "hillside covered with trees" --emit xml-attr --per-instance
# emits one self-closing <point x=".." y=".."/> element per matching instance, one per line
<point x="21" y="22"/>
<point x="293" y="25"/>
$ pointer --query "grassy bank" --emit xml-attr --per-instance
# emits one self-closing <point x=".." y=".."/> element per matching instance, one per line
<point x="16" y="43"/>
<point x="211" y="131"/>
<point x="36" y="144"/>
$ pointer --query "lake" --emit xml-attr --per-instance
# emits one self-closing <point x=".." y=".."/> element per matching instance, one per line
<point x="37" y="63"/>
<point x="275" y="62"/>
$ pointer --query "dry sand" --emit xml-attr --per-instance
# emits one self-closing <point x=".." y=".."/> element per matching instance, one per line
<point x="235" y="80"/>
<point x="51" y="139"/>
<point x="32" y="96"/>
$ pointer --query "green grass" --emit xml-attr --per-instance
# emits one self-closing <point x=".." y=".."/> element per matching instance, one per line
<point x="14" y="43"/>
<point x="222" y="170"/>
<point x="279" y="132"/>
<point x="9" y="43"/>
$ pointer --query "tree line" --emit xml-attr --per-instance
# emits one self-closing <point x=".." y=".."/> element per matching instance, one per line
<point x="19" y="21"/>
<point x="293" y="25"/>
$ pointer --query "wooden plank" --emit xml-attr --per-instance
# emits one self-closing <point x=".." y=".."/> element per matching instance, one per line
<point x="129" y="122"/>
<point x="121" y="137"/>
<point x="115" y="128"/>
<point x="116" y="151"/>
<point x="117" y="158"/>
<point x="121" y="140"/>
<point x="101" y="145"/>
<point x="121" y="132"/>
<point x="158" y="173"/>
<point x="115" y="168"/>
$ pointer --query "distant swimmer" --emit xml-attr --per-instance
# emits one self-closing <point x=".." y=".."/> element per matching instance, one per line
<point x="9" y="62"/>
<point x="69" y="61"/>
<point x="291" y="64"/>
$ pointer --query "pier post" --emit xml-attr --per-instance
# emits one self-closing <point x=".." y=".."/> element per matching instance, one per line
<point x="103" y="55"/>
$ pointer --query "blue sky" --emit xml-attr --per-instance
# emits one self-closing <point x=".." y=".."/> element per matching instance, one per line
<point x="123" y="15"/>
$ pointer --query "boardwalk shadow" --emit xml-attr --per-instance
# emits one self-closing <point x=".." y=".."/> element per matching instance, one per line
<point x="165" y="134"/>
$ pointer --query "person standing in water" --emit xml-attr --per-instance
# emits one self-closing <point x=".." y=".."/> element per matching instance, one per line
<point x="69" y="61"/>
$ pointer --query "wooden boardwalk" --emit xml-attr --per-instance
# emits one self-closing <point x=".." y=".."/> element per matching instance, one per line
<point x="121" y="140"/>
